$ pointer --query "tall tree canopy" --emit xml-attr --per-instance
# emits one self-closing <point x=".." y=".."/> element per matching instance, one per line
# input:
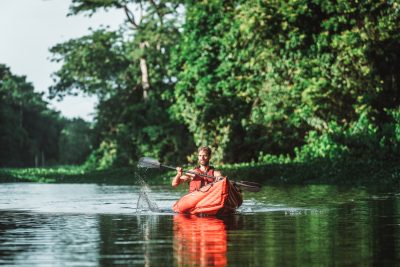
<point x="129" y="71"/>
<point x="29" y="131"/>
<point x="308" y="79"/>
<point x="32" y="134"/>
<point x="275" y="76"/>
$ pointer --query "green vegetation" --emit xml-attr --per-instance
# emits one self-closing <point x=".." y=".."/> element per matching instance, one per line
<point x="29" y="130"/>
<point x="307" y="79"/>
<point x="31" y="134"/>
<point x="356" y="172"/>
<point x="361" y="172"/>
<point x="68" y="174"/>
<point x="307" y="91"/>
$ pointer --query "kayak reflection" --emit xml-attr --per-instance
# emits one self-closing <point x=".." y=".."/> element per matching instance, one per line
<point x="199" y="241"/>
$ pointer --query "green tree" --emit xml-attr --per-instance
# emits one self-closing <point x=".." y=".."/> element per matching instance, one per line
<point x="75" y="143"/>
<point x="129" y="71"/>
<point x="273" y="76"/>
<point x="29" y="129"/>
<point x="208" y="98"/>
<point x="308" y="79"/>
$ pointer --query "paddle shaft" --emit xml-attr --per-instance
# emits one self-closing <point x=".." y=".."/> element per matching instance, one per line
<point x="250" y="186"/>
<point x="195" y="173"/>
<point x="147" y="162"/>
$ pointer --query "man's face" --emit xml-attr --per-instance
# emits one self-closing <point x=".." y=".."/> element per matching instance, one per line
<point x="204" y="158"/>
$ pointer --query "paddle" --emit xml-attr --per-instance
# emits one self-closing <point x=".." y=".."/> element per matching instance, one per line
<point x="147" y="162"/>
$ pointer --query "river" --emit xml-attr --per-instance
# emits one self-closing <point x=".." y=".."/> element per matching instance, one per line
<point x="106" y="225"/>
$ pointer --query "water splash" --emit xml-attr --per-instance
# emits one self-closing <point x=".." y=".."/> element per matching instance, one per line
<point x="144" y="201"/>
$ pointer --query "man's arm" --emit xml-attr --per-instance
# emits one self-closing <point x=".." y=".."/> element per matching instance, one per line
<point x="180" y="177"/>
<point x="218" y="175"/>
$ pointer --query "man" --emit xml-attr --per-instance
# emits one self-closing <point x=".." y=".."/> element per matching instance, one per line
<point x="197" y="181"/>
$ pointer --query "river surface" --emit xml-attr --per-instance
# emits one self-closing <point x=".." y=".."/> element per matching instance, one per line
<point x="105" y="225"/>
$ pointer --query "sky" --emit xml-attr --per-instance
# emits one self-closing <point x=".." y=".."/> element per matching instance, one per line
<point x="28" y="28"/>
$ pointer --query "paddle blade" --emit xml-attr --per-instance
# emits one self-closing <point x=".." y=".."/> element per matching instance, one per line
<point x="147" y="162"/>
<point x="251" y="183"/>
<point x="249" y="186"/>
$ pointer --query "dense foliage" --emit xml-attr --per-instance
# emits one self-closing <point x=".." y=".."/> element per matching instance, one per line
<point x="75" y="142"/>
<point x="308" y="79"/>
<point x="129" y="71"/>
<point x="29" y="130"/>
<point x="263" y="81"/>
<point x="31" y="134"/>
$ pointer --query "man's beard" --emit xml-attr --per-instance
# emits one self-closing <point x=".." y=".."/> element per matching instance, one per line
<point x="205" y="163"/>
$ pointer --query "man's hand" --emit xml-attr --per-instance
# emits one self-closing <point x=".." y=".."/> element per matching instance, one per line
<point x="179" y="171"/>
<point x="219" y="178"/>
<point x="184" y="177"/>
<point x="190" y="176"/>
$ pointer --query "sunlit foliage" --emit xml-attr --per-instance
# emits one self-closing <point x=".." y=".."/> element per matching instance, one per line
<point x="256" y="80"/>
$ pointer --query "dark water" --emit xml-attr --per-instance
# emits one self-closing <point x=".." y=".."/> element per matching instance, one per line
<point x="95" y="225"/>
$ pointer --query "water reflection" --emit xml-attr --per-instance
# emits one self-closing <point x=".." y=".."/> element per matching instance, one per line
<point x="90" y="225"/>
<point x="33" y="239"/>
<point x="135" y="240"/>
<point x="199" y="241"/>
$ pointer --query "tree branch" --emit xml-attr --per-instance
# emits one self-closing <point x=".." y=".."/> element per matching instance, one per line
<point x="157" y="9"/>
<point x="130" y="16"/>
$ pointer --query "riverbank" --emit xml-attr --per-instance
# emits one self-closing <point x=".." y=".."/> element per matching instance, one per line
<point x="67" y="174"/>
<point x="346" y="172"/>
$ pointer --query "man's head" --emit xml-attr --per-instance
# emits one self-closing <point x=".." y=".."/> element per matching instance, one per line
<point x="204" y="155"/>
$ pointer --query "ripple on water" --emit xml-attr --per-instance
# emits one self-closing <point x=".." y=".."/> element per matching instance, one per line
<point x="78" y="198"/>
<point x="109" y="199"/>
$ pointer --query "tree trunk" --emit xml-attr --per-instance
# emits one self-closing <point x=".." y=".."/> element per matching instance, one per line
<point x="144" y="71"/>
<point x="43" y="162"/>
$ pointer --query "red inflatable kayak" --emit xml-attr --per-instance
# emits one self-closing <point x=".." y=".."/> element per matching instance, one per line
<point x="218" y="198"/>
